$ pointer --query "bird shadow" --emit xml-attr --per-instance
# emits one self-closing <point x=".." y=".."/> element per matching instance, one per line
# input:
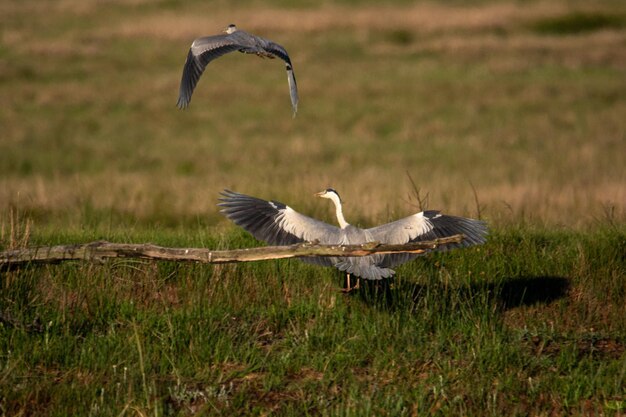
<point x="510" y="293"/>
<point x="530" y="290"/>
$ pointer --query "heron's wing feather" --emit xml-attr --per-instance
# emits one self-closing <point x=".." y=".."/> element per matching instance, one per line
<point x="428" y="225"/>
<point x="403" y="230"/>
<point x="276" y="223"/>
<point x="293" y="89"/>
<point x="202" y="51"/>
<point x="277" y="50"/>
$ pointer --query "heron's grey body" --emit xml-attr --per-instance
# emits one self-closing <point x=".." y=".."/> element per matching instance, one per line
<point x="278" y="224"/>
<point x="206" y="49"/>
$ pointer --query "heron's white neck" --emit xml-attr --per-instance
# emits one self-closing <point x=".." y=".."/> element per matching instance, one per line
<point x="340" y="219"/>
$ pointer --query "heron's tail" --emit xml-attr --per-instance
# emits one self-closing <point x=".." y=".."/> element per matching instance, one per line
<point x="363" y="267"/>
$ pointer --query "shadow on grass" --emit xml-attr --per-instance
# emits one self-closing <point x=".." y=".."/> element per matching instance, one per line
<point x="513" y="292"/>
<point x="530" y="290"/>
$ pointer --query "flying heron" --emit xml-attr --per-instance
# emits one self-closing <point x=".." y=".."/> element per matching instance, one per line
<point x="206" y="49"/>
<point x="278" y="224"/>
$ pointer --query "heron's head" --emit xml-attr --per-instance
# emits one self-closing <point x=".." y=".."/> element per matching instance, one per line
<point x="230" y="29"/>
<point x="330" y="194"/>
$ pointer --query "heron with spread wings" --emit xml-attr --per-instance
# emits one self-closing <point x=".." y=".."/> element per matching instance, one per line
<point x="278" y="224"/>
<point x="206" y="49"/>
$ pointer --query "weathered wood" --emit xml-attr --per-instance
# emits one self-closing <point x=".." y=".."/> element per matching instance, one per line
<point x="100" y="250"/>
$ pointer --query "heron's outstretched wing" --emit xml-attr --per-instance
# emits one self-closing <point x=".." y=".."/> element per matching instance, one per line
<point x="428" y="225"/>
<point x="277" y="223"/>
<point x="280" y="52"/>
<point x="202" y="51"/>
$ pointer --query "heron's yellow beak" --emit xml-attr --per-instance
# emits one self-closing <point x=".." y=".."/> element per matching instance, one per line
<point x="321" y="193"/>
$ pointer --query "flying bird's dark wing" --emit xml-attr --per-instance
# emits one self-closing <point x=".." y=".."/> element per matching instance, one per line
<point x="280" y="52"/>
<point x="202" y="51"/>
<point x="427" y="225"/>
<point x="276" y="223"/>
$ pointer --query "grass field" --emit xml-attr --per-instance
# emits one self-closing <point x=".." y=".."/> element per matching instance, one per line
<point x="508" y="111"/>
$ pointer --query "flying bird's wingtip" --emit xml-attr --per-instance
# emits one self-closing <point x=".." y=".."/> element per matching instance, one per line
<point x="294" y="107"/>
<point x="182" y="104"/>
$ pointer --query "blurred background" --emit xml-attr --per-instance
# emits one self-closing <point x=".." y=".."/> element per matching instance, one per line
<point x="514" y="111"/>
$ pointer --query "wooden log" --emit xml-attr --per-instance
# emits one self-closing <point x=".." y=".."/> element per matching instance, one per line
<point x="100" y="250"/>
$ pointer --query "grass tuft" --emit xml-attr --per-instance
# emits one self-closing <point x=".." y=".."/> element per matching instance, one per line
<point x="15" y="232"/>
<point x="578" y="22"/>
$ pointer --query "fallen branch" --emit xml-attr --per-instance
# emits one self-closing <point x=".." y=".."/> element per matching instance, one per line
<point x="98" y="251"/>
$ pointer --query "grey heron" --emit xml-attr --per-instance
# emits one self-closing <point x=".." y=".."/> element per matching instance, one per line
<point x="206" y="49"/>
<point x="279" y="224"/>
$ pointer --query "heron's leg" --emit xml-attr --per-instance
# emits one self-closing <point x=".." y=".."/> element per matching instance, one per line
<point x="348" y="284"/>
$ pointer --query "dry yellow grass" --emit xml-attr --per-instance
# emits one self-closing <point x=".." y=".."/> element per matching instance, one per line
<point x="418" y="18"/>
<point x="460" y="98"/>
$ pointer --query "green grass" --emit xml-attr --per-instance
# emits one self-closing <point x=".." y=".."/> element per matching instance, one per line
<point x="453" y="103"/>
<point x="532" y="322"/>
<point x="514" y="111"/>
